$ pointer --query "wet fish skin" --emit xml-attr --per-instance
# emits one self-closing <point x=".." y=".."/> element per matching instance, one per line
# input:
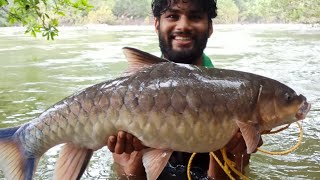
<point x="167" y="106"/>
<point x="87" y="119"/>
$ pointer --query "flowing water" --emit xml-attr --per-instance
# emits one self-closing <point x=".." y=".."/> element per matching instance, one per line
<point x="36" y="73"/>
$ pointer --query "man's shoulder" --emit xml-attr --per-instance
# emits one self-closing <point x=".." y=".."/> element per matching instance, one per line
<point x="206" y="61"/>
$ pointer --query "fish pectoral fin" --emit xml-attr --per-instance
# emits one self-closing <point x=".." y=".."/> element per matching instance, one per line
<point x="72" y="162"/>
<point x="251" y="135"/>
<point x="154" y="161"/>
<point x="139" y="59"/>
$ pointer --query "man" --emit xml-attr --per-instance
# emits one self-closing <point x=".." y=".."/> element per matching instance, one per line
<point x="183" y="28"/>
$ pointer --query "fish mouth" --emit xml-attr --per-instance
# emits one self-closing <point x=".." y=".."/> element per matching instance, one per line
<point x="303" y="110"/>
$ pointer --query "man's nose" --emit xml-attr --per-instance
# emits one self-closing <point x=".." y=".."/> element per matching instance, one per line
<point x="184" y="24"/>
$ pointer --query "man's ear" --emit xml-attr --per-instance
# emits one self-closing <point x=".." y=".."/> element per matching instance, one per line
<point x="157" y="24"/>
<point x="210" y="27"/>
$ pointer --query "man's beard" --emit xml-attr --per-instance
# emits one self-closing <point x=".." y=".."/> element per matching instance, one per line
<point x="188" y="56"/>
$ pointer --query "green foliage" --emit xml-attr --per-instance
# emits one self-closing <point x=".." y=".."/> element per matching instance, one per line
<point x="3" y="18"/>
<point x="35" y="14"/>
<point x="3" y="3"/>
<point x="228" y="12"/>
<point x="283" y="11"/>
<point x="132" y="8"/>
<point x="102" y="15"/>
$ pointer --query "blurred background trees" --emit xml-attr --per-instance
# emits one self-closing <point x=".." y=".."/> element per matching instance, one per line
<point x="44" y="15"/>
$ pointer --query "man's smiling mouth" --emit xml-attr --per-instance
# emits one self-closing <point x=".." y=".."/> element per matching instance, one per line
<point x="181" y="38"/>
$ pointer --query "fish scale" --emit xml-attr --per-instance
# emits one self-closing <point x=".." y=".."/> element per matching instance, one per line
<point x="173" y="108"/>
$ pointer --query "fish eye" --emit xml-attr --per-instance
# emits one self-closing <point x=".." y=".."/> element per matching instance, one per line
<point x="289" y="96"/>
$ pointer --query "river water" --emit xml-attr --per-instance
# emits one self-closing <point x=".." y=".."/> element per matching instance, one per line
<point x="36" y="73"/>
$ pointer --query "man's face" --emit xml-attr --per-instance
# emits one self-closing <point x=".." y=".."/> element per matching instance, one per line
<point x="183" y="31"/>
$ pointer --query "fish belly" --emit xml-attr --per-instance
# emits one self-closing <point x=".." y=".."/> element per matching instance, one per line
<point x="186" y="132"/>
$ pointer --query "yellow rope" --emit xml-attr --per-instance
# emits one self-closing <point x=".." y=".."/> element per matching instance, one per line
<point x="289" y="150"/>
<point x="230" y="164"/>
<point x="225" y="168"/>
<point x="189" y="165"/>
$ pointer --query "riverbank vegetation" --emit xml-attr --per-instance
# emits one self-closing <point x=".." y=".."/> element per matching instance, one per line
<point x="46" y="15"/>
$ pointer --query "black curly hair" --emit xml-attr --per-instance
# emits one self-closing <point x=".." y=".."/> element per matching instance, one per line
<point x="160" y="6"/>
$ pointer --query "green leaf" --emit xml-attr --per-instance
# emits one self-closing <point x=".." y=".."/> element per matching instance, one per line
<point x="55" y="22"/>
<point x="12" y="20"/>
<point x="61" y="13"/>
<point x="27" y="31"/>
<point x="52" y="34"/>
<point x="33" y="33"/>
<point x="37" y="29"/>
<point x="56" y="30"/>
<point x="76" y="5"/>
<point x="3" y="3"/>
<point x="45" y="34"/>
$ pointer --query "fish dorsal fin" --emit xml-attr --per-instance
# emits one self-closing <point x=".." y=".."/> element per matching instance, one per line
<point x="154" y="161"/>
<point x="138" y="59"/>
<point x="251" y="135"/>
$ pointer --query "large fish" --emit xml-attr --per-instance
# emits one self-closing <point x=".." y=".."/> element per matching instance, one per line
<point x="167" y="106"/>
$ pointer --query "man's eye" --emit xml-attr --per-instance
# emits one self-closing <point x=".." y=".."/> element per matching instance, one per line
<point x="195" y="17"/>
<point x="172" y="16"/>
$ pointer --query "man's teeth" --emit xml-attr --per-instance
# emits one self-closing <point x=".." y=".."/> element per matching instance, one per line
<point x="182" y="38"/>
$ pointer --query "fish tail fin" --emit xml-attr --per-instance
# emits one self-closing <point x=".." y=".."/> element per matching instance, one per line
<point x="13" y="162"/>
<point x="72" y="162"/>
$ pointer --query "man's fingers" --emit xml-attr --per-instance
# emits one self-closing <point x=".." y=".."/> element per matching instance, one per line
<point x="112" y="140"/>
<point x="128" y="146"/>
<point x="121" y="141"/>
<point x="137" y="145"/>
<point x="124" y="143"/>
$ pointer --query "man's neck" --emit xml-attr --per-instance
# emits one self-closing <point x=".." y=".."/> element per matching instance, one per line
<point x="197" y="62"/>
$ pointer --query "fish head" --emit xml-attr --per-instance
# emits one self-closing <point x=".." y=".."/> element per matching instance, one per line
<point x="282" y="106"/>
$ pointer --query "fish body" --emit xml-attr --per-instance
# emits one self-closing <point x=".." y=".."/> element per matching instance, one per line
<point x="167" y="106"/>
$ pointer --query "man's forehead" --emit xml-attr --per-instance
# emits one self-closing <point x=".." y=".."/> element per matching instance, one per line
<point x="186" y="5"/>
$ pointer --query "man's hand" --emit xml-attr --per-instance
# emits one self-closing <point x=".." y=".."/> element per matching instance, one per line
<point x="124" y="143"/>
<point x="237" y="144"/>
<point x="237" y="151"/>
<point x="127" y="154"/>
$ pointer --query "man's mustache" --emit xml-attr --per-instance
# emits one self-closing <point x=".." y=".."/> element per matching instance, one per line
<point x="181" y="33"/>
